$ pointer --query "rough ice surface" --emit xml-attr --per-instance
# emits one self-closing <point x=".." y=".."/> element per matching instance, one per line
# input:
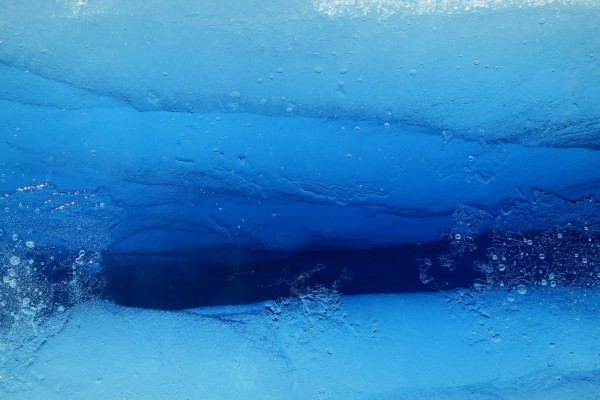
<point x="296" y="152"/>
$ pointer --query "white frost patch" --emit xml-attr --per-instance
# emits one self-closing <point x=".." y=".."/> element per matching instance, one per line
<point x="386" y="8"/>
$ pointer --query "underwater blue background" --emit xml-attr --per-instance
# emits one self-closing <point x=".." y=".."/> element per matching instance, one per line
<point x="173" y="155"/>
<point x="227" y="134"/>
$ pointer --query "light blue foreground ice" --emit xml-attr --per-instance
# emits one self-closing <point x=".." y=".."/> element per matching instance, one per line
<point x="243" y="131"/>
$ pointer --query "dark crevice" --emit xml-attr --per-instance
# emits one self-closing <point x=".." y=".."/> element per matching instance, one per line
<point x="179" y="281"/>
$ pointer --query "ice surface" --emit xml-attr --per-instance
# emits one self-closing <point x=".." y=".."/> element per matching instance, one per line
<point x="204" y="152"/>
<point x="520" y="72"/>
<point x="221" y="126"/>
<point x="424" y="346"/>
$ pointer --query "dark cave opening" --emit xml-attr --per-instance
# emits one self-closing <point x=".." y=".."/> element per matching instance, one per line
<point x="179" y="281"/>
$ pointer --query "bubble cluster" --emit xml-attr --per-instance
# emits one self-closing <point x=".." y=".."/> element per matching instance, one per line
<point x="50" y="262"/>
<point x="561" y="247"/>
<point x="542" y="258"/>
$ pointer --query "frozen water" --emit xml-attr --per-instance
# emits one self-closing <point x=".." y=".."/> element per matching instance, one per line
<point x="208" y="153"/>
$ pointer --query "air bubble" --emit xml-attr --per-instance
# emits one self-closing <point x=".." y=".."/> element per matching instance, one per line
<point x="476" y="61"/>
<point x="412" y="72"/>
<point x="501" y="267"/>
<point x="584" y="260"/>
<point x="386" y="125"/>
<point x="529" y="242"/>
<point x="235" y="95"/>
<point x="544" y="282"/>
<point x="318" y="70"/>
<point x="552" y="283"/>
<point x="30" y="244"/>
<point x="14" y="261"/>
<point x="279" y="70"/>
<point x="522" y="289"/>
<point x="15" y="237"/>
<point x="542" y="256"/>
<point x="496" y="338"/>
<point x="349" y="156"/>
<point x="342" y="70"/>
<point x="457" y="236"/>
<point x="289" y="110"/>
<point x="560" y="235"/>
<point x="494" y="257"/>
<point x="510" y="297"/>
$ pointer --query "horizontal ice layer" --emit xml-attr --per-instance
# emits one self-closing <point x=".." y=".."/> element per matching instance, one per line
<point x="426" y="346"/>
<point x="524" y="72"/>
<point x="238" y="184"/>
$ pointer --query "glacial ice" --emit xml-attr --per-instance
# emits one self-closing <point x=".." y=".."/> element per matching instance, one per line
<point x="259" y="129"/>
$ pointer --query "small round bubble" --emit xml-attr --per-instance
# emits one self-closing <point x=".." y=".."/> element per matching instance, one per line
<point x="30" y="244"/>
<point x="510" y="297"/>
<point x="552" y="283"/>
<point x="542" y="256"/>
<point x="14" y="260"/>
<point x="457" y="236"/>
<point x="501" y="267"/>
<point x="522" y="289"/>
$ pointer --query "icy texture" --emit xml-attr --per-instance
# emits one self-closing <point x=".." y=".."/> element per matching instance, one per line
<point x="244" y="128"/>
